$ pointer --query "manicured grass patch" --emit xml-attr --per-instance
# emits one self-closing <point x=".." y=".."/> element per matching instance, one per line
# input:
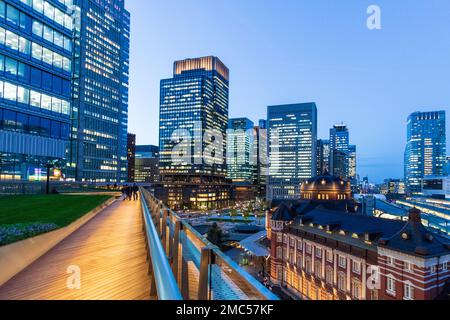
<point x="60" y="210"/>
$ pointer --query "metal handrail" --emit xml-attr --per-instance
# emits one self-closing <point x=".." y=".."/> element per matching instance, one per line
<point x="255" y="284"/>
<point x="166" y="285"/>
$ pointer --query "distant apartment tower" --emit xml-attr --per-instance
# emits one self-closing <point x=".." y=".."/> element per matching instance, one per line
<point x="292" y="136"/>
<point x="339" y="150"/>
<point x="261" y="158"/>
<point x="240" y="151"/>
<point x="147" y="164"/>
<point x="323" y="157"/>
<point x="100" y="118"/>
<point x="36" y="61"/>
<point x="193" y="125"/>
<point x="425" y="153"/>
<point x="131" y="156"/>
<point x="352" y="162"/>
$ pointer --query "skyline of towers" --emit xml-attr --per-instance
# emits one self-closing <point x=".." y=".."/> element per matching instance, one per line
<point x="292" y="136"/>
<point x="425" y="153"/>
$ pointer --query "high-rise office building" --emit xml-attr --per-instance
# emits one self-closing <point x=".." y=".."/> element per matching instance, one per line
<point x="352" y="161"/>
<point x="147" y="164"/>
<point x="425" y="153"/>
<point x="240" y="160"/>
<point x="36" y="50"/>
<point x="323" y="157"/>
<point x="292" y="136"/>
<point x="100" y="118"/>
<point x="339" y="148"/>
<point x="447" y="167"/>
<point x="131" y="156"/>
<point x="261" y="158"/>
<point x="193" y="125"/>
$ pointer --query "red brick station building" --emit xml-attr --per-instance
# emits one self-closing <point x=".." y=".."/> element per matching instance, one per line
<point x="324" y="248"/>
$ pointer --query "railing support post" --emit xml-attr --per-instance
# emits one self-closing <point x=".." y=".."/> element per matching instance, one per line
<point x="164" y="229"/>
<point x="203" y="282"/>
<point x="175" y="250"/>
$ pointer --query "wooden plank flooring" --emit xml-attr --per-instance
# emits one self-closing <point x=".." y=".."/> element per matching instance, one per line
<point x="110" y="252"/>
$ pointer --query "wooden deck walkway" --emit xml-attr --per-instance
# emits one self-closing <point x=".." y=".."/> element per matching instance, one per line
<point x="110" y="252"/>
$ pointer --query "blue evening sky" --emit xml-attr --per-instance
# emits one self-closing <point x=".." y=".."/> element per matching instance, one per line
<point x="289" y="51"/>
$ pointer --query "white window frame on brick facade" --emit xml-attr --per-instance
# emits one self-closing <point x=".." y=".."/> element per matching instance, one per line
<point x="329" y="275"/>
<point x="319" y="253"/>
<point x="356" y="289"/>
<point x="300" y="245"/>
<point x="318" y="269"/>
<point x="409" y="267"/>
<point x="308" y="248"/>
<point x="408" y="291"/>
<point x="342" y="262"/>
<point x="279" y="237"/>
<point x="390" y="261"/>
<point x="285" y="239"/>
<point x="445" y="266"/>
<point x="433" y="269"/>
<point x="308" y="265"/>
<point x="342" y="281"/>
<point x="390" y="285"/>
<point x="330" y="257"/>
<point x="279" y="253"/>
<point x="356" y="266"/>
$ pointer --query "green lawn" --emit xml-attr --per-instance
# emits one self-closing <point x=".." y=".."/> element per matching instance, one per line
<point x="60" y="210"/>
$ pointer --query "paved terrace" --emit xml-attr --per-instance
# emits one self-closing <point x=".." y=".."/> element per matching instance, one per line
<point x="110" y="251"/>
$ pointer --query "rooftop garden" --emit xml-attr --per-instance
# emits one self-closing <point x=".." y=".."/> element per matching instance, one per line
<point x="23" y="217"/>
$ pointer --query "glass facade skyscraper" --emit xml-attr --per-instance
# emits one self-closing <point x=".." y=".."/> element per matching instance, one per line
<point x="323" y="157"/>
<point x="193" y="103"/>
<point x="36" y="50"/>
<point x="193" y="126"/>
<point x="240" y="160"/>
<point x="292" y="136"/>
<point x="339" y="150"/>
<point x="425" y="153"/>
<point x="100" y="119"/>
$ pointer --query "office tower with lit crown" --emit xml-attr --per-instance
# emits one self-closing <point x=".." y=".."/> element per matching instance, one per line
<point x="425" y="153"/>
<point x="100" y="119"/>
<point x="36" y="50"/>
<point x="339" y="149"/>
<point x="240" y="151"/>
<point x="292" y="136"/>
<point x="323" y="157"/>
<point x="194" y="117"/>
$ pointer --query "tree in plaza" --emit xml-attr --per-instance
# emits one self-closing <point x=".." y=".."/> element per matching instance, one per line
<point x="233" y="213"/>
<point x="215" y="235"/>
